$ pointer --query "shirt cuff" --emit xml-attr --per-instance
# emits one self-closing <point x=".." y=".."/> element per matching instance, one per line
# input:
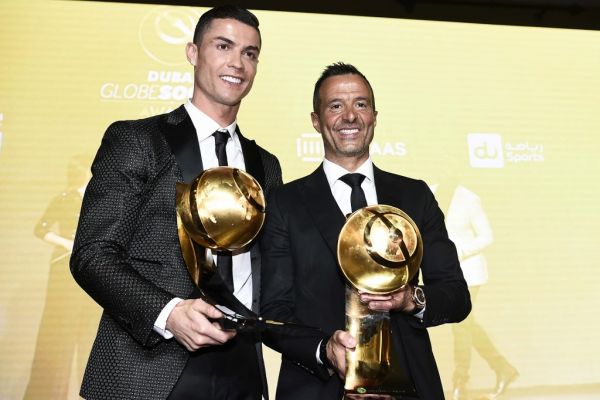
<point x="420" y="314"/>
<point x="317" y="353"/>
<point x="160" y="325"/>
<point x="320" y="361"/>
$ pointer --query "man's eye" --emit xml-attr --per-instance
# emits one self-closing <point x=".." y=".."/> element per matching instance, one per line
<point x="251" y="55"/>
<point x="361" y="105"/>
<point x="335" y="106"/>
<point x="222" y="46"/>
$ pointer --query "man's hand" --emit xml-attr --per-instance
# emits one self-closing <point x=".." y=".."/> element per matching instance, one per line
<point x="338" y="344"/>
<point x="192" y="324"/>
<point x="400" y="300"/>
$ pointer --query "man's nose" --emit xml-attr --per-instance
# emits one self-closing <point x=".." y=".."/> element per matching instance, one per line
<point x="235" y="61"/>
<point x="349" y="114"/>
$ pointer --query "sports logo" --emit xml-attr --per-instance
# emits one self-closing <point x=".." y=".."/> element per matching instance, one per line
<point x="164" y="32"/>
<point x="485" y="150"/>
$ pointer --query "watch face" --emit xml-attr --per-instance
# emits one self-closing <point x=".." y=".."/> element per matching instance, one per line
<point x="419" y="296"/>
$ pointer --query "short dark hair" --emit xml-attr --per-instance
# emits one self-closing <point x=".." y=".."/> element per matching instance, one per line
<point x="335" y="69"/>
<point x="224" y="12"/>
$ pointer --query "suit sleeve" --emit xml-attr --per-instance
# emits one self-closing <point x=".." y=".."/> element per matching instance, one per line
<point x="277" y="293"/>
<point x="273" y="176"/>
<point x="100" y="263"/>
<point x="446" y="291"/>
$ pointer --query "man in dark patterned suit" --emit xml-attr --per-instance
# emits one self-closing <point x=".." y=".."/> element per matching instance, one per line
<point x="301" y="278"/>
<point x="154" y="341"/>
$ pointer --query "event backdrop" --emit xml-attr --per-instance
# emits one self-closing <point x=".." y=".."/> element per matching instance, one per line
<point x="510" y="114"/>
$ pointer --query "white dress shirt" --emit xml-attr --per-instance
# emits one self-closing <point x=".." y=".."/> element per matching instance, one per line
<point x="241" y="261"/>
<point x="341" y="191"/>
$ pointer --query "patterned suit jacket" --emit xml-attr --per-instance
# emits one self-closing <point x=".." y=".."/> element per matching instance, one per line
<point x="127" y="256"/>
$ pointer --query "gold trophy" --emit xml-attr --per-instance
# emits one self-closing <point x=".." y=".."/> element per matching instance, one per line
<point x="379" y="250"/>
<point x="222" y="209"/>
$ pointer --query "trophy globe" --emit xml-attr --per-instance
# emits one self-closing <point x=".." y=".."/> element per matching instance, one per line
<point x="223" y="209"/>
<point x="379" y="249"/>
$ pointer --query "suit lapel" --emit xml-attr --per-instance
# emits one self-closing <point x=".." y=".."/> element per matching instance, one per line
<point x="182" y="139"/>
<point x="254" y="166"/>
<point x="323" y="208"/>
<point x="389" y="192"/>
<point x="252" y="160"/>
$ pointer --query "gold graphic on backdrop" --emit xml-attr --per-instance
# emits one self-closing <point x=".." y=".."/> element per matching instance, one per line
<point x="379" y="251"/>
<point x="164" y="31"/>
<point x="70" y="317"/>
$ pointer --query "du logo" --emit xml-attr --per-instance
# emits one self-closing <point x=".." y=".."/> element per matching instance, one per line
<point x="164" y="32"/>
<point x="485" y="150"/>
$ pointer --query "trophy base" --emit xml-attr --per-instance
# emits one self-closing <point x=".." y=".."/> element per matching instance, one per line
<point x="395" y="384"/>
<point x="374" y="365"/>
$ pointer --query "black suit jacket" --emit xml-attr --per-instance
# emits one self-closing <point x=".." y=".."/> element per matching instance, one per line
<point x="302" y="280"/>
<point x="127" y="255"/>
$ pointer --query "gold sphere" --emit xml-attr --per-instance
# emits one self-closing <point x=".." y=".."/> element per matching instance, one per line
<point x="379" y="249"/>
<point x="222" y="209"/>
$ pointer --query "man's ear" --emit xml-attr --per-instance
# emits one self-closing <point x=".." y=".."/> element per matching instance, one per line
<point x="191" y="51"/>
<point x="375" y="121"/>
<point x="314" y="117"/>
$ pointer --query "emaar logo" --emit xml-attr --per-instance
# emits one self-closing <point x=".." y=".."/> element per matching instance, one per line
<point x="164" y="32"/>
<point x="485" y="150"/>
<point x="309" y="148"/>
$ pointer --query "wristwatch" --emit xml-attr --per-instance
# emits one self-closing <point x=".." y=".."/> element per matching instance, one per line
<point x="418" y="297"/>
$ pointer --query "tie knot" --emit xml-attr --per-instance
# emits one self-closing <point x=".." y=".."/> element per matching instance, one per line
<point x="221" y="136"/>
<point x="353" y="180"/>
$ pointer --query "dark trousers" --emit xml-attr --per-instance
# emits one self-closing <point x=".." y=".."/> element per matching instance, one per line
<point x="230" y="371"/>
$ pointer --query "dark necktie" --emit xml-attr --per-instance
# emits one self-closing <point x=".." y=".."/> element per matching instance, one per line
<point x="357" y="197"/>
<point x="224" y="262"/>
<point x="221" y="138"/>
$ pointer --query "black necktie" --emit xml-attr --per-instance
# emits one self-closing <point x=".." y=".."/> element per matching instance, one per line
<point x="224" y="262"/>
<point x="221" y="138"/>
<point x="357" y="197"/>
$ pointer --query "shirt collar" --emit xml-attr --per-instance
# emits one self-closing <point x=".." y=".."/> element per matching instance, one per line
<point x="205" y="125"/>
<point x="334" y="172"/>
